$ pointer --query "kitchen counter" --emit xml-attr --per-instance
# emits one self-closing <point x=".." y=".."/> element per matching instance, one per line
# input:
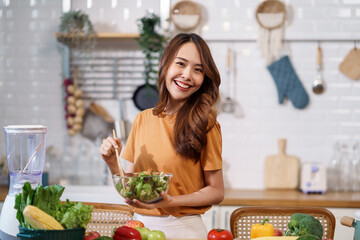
<point x="290" y="198"/>
<point x="108" y="194"/>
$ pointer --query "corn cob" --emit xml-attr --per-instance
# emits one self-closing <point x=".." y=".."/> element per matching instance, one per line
<point x="39" y="219"/>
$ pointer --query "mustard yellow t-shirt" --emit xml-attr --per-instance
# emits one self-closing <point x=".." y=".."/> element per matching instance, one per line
<point x="150" y="146"/>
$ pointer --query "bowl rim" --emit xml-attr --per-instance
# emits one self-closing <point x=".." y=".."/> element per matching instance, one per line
<point x="118" y="175"/>
<point x="51" y="230"/>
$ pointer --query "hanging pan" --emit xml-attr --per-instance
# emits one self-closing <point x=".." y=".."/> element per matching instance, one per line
<point x="146" y="96"/>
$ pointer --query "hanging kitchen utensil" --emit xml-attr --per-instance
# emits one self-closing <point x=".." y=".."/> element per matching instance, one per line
<point x="186" y="15"/>
<point x="318" y="84"/>
<point x="97" y="122"/>
<point x="146" y="96"/>
<point x="288" y="83"/>
<point x="228" y="105"/>
<point x="271" y="15"/>
<point x="350" y="66"/>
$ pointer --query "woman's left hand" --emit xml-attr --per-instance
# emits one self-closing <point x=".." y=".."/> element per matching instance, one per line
<point x="164" y="202"/>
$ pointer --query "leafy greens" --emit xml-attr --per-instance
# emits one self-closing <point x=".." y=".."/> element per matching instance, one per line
<point x="69" y="214"/>
<point x="144" y="187"/>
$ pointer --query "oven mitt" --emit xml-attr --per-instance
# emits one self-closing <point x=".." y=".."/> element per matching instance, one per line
<point x="287" y="83"/>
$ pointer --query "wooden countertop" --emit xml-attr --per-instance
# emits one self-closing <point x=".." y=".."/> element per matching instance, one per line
<point x="290" y="198"/>
<point x="3" y="192"/>
<point x="276" y="198"/>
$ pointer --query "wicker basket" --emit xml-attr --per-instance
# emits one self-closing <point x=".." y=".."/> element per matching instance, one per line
<point x="271" y="7"/>
<point x="243" y="218"/>
<point x="186" y="15"/>
<point x="106" y="217"/>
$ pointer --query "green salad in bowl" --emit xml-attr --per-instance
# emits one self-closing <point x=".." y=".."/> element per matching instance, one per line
<point x="145" y="186"/>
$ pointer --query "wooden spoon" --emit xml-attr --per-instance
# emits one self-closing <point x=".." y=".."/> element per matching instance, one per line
<point x="118" y="159"/>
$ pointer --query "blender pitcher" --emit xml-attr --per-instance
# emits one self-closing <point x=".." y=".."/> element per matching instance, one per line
<point x="25" y="151"/>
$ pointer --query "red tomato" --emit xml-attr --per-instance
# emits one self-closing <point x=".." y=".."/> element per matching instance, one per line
<point x="92" y="235"/>
<point x="219" y="234"/>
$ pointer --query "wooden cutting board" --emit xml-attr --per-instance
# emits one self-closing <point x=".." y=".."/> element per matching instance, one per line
<point x="350" y="66"/>
<point x="281" y="170"/>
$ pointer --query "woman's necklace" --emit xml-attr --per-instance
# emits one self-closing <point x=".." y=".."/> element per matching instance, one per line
<point x="170" y="113"/>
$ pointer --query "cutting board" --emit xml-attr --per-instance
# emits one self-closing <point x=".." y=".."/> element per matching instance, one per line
<point x="281" y="170"/>
<point x="350" y="66"/>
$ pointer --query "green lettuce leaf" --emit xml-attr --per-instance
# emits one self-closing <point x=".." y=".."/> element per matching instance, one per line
<point x="69" y="214"/>
<point x="74" y="214"/>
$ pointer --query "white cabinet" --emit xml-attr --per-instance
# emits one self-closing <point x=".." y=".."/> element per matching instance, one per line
<point x="225" y="214"/>
<point x="211" y="218"/>
<point x="219" y="217"/>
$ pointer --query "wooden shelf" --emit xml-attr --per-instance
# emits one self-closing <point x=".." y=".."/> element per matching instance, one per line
<point x="104" y="35"/>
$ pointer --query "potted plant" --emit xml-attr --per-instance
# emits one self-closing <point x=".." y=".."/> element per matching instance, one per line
<point x="152" y="44"/>
<point x="76" y="29"/>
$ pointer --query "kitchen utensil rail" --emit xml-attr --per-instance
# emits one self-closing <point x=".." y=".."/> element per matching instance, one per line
<point x="108" y="78"/>
<point x="285" y="40"/>
<point x="107" y="91"/>
<point x="108" y="58"/>
<point x="106" y="98"/>
<point x="86" y="84"/>
<point x="113" y="71"/>
<point x="106" y="64"/>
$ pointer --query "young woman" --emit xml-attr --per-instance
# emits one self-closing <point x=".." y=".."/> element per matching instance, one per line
<point x="180" y="135"/>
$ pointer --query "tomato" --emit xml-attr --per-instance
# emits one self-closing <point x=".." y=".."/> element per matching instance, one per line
<point x="126" y="233"/>
<point x="219" y="234"/>
<point x="91" y="235"/>
<point x="277" y="232"/>
<point x="156" y="235"/>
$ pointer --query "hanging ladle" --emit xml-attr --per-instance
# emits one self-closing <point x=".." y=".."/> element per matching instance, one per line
<point x="228" y="104"/>
<point x="318" y="84"/>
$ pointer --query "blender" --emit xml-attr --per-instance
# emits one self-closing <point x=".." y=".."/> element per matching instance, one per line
<point x="25" y="151"/>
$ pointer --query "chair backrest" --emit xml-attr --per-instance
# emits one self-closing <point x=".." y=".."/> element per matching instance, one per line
<point x="106" y="217"/>
<point x="243" y="218"/>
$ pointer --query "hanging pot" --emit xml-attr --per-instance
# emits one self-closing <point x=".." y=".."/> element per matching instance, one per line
<point x="146" y="96"/>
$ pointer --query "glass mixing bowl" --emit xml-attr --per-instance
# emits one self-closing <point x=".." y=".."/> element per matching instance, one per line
<point x="145" y="187"/>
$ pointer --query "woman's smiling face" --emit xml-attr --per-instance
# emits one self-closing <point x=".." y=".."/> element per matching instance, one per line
<point x="185" y="74"/>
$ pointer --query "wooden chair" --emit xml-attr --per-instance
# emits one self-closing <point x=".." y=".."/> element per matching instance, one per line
<point x="243" y="218"/>
<point x="106" y="217"/>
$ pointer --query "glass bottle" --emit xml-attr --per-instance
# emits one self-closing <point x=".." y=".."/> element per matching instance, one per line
<point x="355" y="168"/>
<point x="345" y="169"/>
<point x="333" y="171"/>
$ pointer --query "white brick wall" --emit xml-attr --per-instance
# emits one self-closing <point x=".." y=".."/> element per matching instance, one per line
<point x="30" y="76"/>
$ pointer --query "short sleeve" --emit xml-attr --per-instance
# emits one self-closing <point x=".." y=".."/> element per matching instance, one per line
<point x="129" y="149"/>
<point x="211" y="158"/>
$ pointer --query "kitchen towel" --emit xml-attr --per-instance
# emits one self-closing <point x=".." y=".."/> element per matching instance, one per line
<point x="288" y="83"/>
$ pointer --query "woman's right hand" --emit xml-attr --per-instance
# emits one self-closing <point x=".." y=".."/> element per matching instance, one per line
<point x="108" y="153"/>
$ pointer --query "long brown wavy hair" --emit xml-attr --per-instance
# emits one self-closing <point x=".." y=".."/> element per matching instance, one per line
<point x="196" y="117"/>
